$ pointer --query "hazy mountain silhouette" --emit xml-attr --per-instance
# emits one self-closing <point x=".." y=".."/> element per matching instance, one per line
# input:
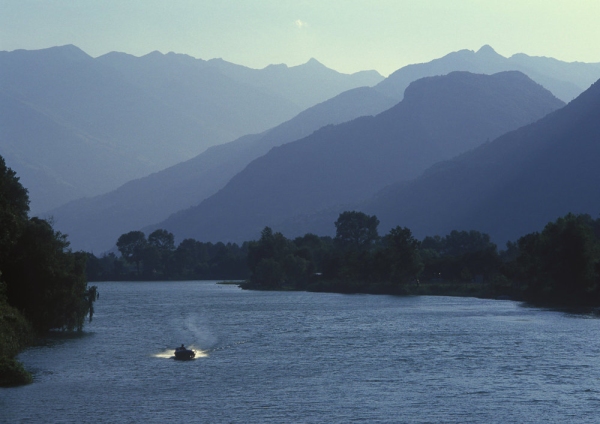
<point x="565" y="80"/>
<point x="145" y="113"/>
<point x="439" y="118"/>
<point x="96" y="223"/>
<point x="61" y="164"/>
<point x="95" y="109"/>
<point x="511" y="186"/>
<point x="234" y="99"/>
<point x="291" y="82"/>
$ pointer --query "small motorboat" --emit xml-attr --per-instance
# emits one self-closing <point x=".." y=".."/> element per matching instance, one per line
<point x="184" y="353"/>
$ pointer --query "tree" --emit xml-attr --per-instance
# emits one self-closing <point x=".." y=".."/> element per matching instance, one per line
<point x="46" y="280"/>
<point x="462" y="242"/>
<point x="402" y="252"/>
<point x="268" y="273"/>
<point x="163" y="240"/>
<point x="460" y="255"/>
<point x="14" y="207"/>
<point x="189" y="254"/>
<point x="314" y="249"/>
<point x="356" y="231"/>
<point x="273" y="261"/>
<point x="561" y="264"/>
<point x="269" y="246"/>
<point x="162" y="244"/>
<point x="132" y="245"/>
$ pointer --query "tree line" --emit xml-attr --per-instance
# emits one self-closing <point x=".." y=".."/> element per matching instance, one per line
<point x="43" y="284"/>
<point x="156" y="258"/>
<point x="558" y="266"/>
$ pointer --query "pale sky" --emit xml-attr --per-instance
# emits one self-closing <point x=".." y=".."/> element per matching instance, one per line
<point x="346" y="35"/>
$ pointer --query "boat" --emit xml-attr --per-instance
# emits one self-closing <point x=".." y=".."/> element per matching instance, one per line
<point x="184" y="353"/>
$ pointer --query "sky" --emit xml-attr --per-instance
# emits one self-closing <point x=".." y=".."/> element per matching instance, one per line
<point x="346" y="35"/>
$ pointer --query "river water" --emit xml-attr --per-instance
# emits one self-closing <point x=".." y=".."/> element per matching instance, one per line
<point x="293" y="357"/>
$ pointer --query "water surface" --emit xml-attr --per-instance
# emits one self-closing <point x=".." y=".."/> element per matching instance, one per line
<point x="275" y="357"/>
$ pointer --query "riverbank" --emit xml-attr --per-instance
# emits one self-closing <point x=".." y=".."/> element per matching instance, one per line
<point x="496" y="289"/>
<point x="15" y="335"/>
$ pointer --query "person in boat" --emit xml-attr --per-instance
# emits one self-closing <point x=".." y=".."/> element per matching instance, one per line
<point x="181" y="348"/>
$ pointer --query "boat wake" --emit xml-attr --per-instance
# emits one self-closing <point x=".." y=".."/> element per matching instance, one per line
<point x="170" y="353"/>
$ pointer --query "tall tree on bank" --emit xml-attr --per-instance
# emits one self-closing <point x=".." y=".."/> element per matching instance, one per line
<point x="356" y="231"/>
<point x="562" y="263"/>
<point x="44" y="279"/>
<point x="14" y="207"/>
<point x="132" y="246"/>
<point x="400" y="256"/>
<point x="162" y="243"/>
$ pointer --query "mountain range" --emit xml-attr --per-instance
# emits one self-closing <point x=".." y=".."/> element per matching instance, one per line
<point x="93" y="223"/>
<point x="566" y="80"/>
<point x="509" y="187"/>
<point x="438" y="118"/>
<point x="79" y="126"/>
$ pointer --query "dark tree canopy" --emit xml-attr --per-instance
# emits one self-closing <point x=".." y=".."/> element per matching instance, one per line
<point x="163" y="240"/>
<point x="402" y="253"/>
<point x="44" y="279"/>
<point x="356" y="230"/>
<point x="157" y="258"/>
<point x="132" y="245"/>
<point x="14" y="207"/>
<point x="562" y="263"/>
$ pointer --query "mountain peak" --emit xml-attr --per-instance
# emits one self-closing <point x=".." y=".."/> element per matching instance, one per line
<point x="487" y="50"/>
<point x="314" y="62"/>
<point x="312" y="65"/>
<point x="68" y="51"/>
<point x="154" y="53"/>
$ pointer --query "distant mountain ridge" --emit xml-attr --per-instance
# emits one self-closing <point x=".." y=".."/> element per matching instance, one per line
<point x="511" y="186"/>
<point x="331" y="82"/>
<point x="134" y="116"/>
<point x="438" y="118"/>
<point x="565" y="80"/>
<point x="94" y="223"/>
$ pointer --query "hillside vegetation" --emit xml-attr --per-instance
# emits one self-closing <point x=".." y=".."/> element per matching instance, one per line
<point x="43" y="285"/>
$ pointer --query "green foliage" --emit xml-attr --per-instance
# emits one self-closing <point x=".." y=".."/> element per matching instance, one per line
<point x="352" y="262"/>
<point x="459" y="256"/>
<point x="314" y="249"/>
<point x="131" y="246"/>
<point x="274" y="261"/>
<point x="159" y="259"/>
<point x="163" y="240"/>
<point x="44" y="279"/>
<point x="356" y="231"/>
<point x="561" y="264"/>
<point x="14" y="207"/>
<point x="269" y="273"/>
<point x="12" y="373"/>
<point x="108" y="267"/>
<point x="161" y="245"/>
<point x="44" y="282"/>
<point x="401" y="256"/>
<point x="15" y="330"/>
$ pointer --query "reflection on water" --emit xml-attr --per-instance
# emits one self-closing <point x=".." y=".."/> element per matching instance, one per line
<point x="273" y="357"/>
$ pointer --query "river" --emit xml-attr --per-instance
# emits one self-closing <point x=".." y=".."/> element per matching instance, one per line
<point x="294" y="357"/>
